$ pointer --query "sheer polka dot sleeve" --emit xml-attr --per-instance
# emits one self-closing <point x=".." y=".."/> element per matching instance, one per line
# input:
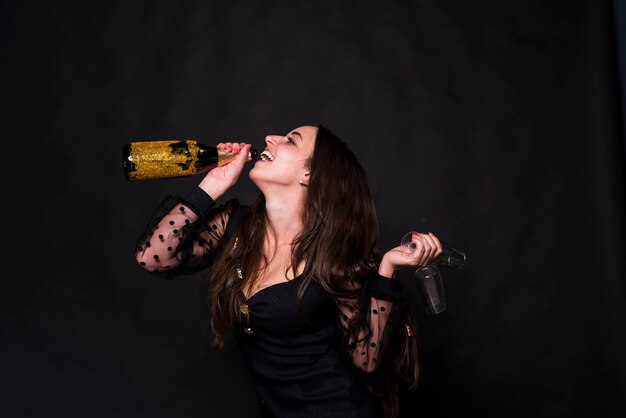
<point x="184" y="235"/>
<point x="374" y="317"/>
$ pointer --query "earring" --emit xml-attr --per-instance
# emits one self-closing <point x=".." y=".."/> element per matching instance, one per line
<point x="301" y="182"/>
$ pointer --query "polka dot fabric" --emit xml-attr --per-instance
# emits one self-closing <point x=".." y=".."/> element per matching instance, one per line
<point x="375" y="315"/>
<point x="179" y="240"/>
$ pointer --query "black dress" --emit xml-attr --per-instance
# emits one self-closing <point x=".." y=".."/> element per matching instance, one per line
<point x="301" y="365"/>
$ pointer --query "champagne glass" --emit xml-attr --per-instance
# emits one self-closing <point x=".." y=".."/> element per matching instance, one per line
<point x="429" y="277"/>
<point x="450" y="257"/>
<point x="431" y="287"/>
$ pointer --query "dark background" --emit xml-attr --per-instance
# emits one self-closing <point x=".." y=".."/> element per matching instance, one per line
<point x="495" y="125"/>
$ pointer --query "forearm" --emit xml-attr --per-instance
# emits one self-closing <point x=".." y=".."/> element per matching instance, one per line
<point x="369" y="330"/>
<point x="183" y="234"/>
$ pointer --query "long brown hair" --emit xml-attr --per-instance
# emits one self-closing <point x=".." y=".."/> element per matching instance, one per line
<point x="339" y="246"/>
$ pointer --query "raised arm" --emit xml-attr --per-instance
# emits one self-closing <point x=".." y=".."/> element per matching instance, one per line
<point x="185" y="234"/>
<point x="382" y="302"/>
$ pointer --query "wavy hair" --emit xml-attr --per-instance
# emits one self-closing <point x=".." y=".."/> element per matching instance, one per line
<point x="338" y="244"/>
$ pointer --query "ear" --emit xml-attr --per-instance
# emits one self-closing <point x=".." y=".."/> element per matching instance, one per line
<point x="304" y="180"/>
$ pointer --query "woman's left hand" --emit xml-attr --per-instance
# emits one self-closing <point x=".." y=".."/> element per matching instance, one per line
<point x="427" y="247"/>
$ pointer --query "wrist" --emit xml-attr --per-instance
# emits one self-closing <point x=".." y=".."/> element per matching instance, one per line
<point x="386" y="269"/>
<point x="211" y="190"/>
<point x="199" y="201"/>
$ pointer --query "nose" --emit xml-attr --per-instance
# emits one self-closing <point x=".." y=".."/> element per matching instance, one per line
<point x="270" y="139"/>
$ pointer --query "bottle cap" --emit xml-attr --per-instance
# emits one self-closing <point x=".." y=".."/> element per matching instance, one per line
<point x="253" y="155"/>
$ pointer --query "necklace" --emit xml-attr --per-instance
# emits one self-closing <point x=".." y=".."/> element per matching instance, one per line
<point x="244" y="308"/>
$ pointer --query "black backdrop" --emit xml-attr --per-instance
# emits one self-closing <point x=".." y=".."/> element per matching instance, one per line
<point x="493" y="124"/>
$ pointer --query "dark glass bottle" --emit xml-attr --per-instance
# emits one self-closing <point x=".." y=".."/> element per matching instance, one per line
<point x="146" y="160"/>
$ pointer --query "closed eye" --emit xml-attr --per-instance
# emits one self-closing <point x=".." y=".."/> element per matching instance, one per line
<point x="290" y="141"/>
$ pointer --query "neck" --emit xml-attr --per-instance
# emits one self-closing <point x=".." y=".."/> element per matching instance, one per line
<point x="284" y="217"/>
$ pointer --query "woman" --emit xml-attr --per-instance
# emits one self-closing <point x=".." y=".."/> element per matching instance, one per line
<point x="297" y="276"/>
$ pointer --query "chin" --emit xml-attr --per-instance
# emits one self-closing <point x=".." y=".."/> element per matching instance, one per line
<point x="252" y="175"/>
<point x="257" y="177"/>
<point x="261" y="177"/>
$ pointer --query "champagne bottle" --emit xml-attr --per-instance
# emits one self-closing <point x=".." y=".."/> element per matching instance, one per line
<point x="146" y="160"/>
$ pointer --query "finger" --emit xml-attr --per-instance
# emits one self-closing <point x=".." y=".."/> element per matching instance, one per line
<point x="438" y="243"/>
<point x="239" y="146"/>
<point x="430" y="248"/>
<point x="414" y="239"/>
<point x="411" y="245"/>
<point x="240" y="160"/>
<point x="418" y="252"/>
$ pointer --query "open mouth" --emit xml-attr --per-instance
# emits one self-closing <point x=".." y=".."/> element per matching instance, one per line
<point x="267" y="156"/>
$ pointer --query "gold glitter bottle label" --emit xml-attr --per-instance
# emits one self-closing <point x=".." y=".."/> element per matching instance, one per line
<point x="162" y="159"/>
<point x="145" y="160"/>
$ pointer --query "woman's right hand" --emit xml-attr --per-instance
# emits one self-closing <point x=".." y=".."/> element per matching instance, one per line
<point x="220" y="179"/>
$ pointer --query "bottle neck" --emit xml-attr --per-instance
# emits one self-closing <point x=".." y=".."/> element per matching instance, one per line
<point x="207" y="156"/>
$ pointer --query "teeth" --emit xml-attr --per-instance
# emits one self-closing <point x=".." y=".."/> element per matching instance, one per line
<point x="267" y="156"/>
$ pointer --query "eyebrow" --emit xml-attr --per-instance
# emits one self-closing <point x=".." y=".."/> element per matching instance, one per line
<point x="297" y="133"/>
